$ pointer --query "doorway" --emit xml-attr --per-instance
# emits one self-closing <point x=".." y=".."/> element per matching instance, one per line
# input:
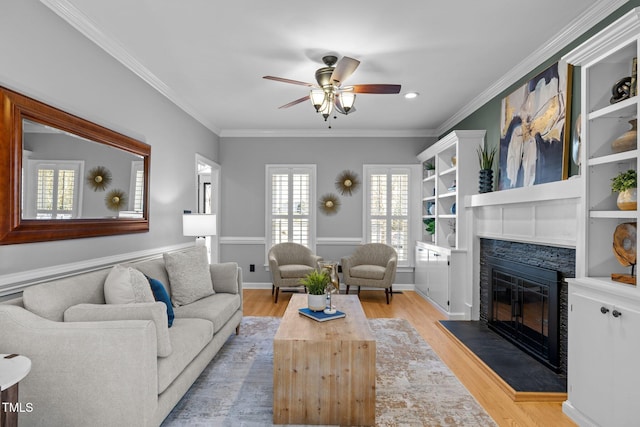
<point x="207" y="181"/>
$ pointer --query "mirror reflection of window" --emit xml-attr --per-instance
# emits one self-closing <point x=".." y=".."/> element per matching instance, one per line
<point x="56" y="147"/>
<point x="137" y="186"/>
<point x="55" y="189"/>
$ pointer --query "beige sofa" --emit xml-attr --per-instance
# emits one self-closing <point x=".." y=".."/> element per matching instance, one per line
<point x="109" y="373"/>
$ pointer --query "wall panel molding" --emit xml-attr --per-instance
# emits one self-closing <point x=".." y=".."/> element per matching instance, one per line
<point x="15" y="282"/>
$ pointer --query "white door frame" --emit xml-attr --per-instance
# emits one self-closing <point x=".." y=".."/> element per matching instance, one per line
<point x="216" y="170"/>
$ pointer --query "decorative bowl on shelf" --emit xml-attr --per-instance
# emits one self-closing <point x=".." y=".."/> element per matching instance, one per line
<point x="628" y="140"/>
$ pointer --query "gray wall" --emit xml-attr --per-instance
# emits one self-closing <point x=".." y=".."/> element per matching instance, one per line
<point x="243" y="190"/>
<point x="43" y="57"/>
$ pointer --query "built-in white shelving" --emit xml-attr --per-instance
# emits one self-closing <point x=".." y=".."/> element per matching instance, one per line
<point x="440" y="273"/>
<point x="604" y="314"/>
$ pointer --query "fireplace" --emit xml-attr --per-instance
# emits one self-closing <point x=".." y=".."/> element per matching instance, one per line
<point x="524" y="307"/>
<point x="561" y="261"/>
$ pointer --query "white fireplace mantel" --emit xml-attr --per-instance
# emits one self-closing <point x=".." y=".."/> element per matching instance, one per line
<point x="545" y="214"/>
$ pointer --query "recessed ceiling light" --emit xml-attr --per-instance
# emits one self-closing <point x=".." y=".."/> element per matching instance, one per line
<point x="411" y="95"/>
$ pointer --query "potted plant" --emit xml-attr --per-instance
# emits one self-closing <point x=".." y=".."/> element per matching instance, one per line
<point x="625" y="184"/>
<point x="485" y="158"/>
<point x="430" y="168"/>
<point x="430" y="226"/>
<point x="316" y="283"/>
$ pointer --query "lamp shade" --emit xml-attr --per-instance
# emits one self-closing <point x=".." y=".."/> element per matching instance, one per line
<point x="199" y="225"/>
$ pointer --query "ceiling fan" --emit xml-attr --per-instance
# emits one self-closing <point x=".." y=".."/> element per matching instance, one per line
<point x="329" y="93"/>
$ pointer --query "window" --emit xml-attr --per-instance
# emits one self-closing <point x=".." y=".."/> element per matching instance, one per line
<point x="290" y="205"/>
<point x="388" y="212"/>
<point x="56" y="187"/>
<point x="137" y="186"/>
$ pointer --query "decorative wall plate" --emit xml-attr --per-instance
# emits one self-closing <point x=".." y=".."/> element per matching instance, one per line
<point x="99" y="178"/>
<point x="347" y="182"/>
<point x="115" y="200"/>
<point x="329" y="204"/>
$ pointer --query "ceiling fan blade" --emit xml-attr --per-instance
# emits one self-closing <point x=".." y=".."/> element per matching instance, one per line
<point x="377" y="88"/>
<point x="283" y="80"/>
<point x="297" y="101"/>
<point x="344" y="68"/>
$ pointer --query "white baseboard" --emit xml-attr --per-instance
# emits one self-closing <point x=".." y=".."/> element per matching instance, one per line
<point x="264" y="285"/>
<point x="569" y="410"/>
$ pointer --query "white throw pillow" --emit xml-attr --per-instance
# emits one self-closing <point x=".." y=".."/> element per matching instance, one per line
<point x="189" y="275"/>
<point x="225" y="277"/>
<point x="126" y="285"/>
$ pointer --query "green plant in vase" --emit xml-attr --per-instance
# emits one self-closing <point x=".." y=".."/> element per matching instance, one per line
<point x="486" y="158"/>
<point x="316" y="282"/>
<point x="429" y="168"/>
<point x="626" y="185"/>
<point x="430" y="226"/>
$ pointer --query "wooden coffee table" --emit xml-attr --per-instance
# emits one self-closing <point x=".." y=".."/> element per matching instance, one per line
<point x="324" y="372"/>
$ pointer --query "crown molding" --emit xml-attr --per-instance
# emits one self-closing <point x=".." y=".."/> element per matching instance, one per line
<point x="571" y="32"/>
<point x="581" y="24"/>
<point x="328" y="133"/>
<point x="109" y="44"/>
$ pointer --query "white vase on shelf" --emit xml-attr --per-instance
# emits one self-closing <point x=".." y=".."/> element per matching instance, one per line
<point x="451" y="239"/>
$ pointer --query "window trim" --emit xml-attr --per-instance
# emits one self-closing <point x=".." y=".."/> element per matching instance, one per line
<point x="413" y="213"/>
<point x="271" y="169"/>
<point x="136" y="166"/>
<point x="31" y="182"/>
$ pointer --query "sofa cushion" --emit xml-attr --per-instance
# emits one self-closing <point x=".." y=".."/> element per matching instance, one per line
<point x="216" y="308"/>
<point x="51" y="299"/>
<point x="366" y="271"/>
<point x="126" y="285"/>
<point x="291" y="271"/>
<point x="160" y="294"/>
<point x="189" y="275"/>
<point x="154" y="268"/>
<point x="188" y="337"/>
<point x="155" y="311"/>
<point x="225" y="277"/>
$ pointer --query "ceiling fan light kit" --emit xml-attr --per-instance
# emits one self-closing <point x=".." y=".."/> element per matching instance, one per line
<point x="328" y="94"/>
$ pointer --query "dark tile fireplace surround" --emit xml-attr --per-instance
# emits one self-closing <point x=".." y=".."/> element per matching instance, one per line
<point x="560" y="260"/>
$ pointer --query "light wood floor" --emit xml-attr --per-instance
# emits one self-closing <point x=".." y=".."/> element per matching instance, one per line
<point x="409" y="305"/>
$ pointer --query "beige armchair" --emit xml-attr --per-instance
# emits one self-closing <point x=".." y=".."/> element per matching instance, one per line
<point x="290" y="262"/>
<point x="372" y="264"/>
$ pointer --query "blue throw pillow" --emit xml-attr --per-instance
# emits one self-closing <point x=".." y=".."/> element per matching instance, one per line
<point x="160" y="294"/>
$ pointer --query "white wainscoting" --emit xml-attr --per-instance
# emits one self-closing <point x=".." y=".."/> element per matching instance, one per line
<point x="14" y="283"/>
<point x="320" y="241"/>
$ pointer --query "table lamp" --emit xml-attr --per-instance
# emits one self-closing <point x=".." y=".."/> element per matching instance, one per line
<point x="199" y="225"/>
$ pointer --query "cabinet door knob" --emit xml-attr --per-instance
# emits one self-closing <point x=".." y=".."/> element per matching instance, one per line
<point x="616" y="313"/>
<point x="604" y="310"/>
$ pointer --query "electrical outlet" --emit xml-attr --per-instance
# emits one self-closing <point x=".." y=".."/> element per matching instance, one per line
<point x="252" y="267"/>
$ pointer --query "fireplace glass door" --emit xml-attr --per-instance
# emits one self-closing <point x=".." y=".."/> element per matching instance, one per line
<point x="524" y="309"/>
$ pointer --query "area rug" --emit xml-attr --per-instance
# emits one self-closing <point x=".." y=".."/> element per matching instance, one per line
<point x="413" y="386"/>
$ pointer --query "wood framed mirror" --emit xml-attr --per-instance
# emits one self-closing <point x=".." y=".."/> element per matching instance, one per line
<point x="63" y="177"/>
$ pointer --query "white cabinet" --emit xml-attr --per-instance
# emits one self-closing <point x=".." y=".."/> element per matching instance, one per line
<point x="439" y="274"/>
<point x="603" y="370"/>
<point x="603" y="376"/>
